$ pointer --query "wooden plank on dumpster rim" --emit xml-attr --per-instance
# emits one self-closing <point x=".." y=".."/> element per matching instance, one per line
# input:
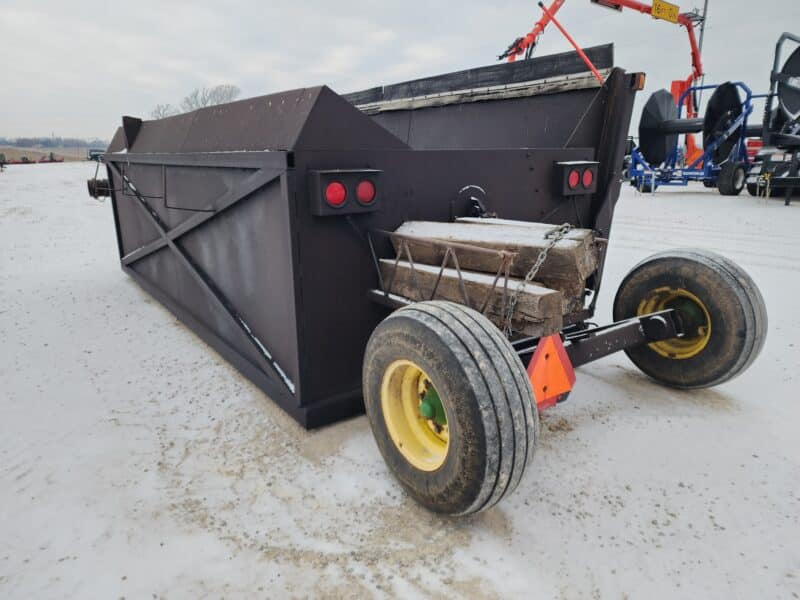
<point x="572" y="260"/>
<point x="538" y="310"/>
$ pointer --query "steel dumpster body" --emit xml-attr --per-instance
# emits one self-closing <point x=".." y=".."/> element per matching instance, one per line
<point x="219" y="213"/>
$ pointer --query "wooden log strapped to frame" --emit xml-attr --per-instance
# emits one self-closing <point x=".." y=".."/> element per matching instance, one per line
<point x="480" y="279"/>
<point x="538" y="309"/>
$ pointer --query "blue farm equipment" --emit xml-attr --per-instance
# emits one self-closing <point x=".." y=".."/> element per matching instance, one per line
<point x="659" y="159"/>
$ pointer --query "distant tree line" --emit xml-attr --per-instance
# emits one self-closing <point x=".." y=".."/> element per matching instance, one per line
<point x="52" y="142"/>
<point x="198" y="98"/>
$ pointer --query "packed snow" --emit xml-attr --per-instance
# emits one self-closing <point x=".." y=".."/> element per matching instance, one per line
<point x="135" y="462"/>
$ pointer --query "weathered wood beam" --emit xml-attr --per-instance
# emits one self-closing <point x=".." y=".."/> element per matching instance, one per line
<point x="566" y="269"/>
<point x="538" y="311"/>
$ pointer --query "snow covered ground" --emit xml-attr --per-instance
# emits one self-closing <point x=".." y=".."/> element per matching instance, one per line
<point x="134" y="462"/>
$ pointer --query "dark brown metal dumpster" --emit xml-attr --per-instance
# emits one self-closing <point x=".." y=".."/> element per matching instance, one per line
<point x="221" y="215"/>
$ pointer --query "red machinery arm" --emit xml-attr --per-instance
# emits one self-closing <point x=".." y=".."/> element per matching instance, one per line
<point x="522" y="44"/>
<point x="683" y="20"/>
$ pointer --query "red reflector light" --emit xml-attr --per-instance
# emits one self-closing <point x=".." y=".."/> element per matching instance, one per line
<point x="588" y="178"/>
<point x="574" y="179"/>
<point x="365" y="192"/>
<point x="335" y="194"/>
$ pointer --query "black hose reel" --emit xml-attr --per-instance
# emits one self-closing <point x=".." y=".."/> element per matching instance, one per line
<point x="660" y="126"/>
<point x="784" y="122"/>
<point x="789" y="87"/>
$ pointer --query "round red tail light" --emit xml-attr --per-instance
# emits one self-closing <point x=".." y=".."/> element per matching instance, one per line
<point x="365" y="192"/>
<point x="574" y="179"/>
<point x="588" y="178"/>
<point x="335" y="194"/>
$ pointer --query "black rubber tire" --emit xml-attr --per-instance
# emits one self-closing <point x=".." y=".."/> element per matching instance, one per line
<point x="493" y="423"/>
<point x="734" y="303"/>
<point x="731" y="179"/>
<point x="752" y="189"/>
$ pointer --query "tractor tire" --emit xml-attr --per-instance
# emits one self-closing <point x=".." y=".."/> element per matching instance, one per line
<point x="718" y="303"/>
<point x="450" y="406"/>
<point x="731" y="179"/>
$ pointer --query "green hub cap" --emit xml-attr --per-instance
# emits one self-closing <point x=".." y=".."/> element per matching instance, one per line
<point x="693" y="315"/>
<point x="431" y="407"/>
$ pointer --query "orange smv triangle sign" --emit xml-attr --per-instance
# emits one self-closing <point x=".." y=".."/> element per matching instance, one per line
<point x="550" y="371"/>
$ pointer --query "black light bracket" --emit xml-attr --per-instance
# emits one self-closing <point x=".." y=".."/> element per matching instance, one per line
<point x="349" y="178"/>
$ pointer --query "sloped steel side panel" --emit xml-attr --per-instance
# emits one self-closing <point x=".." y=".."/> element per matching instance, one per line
<point x="117" y="142"/>
<point x="310" y="119"/>
<point x="335" y="124"/>
<point x="544" y="121"/>
<point x="271" y="122"/>
<point x="572" y="118"/>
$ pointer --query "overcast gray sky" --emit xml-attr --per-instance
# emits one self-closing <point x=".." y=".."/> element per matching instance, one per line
<point x="73" y="68"/>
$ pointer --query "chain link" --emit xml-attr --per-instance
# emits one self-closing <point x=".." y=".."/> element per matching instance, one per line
<point x="555" y="236"/>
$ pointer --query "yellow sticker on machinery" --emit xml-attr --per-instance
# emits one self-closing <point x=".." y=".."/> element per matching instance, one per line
<point x="665" y="10"/>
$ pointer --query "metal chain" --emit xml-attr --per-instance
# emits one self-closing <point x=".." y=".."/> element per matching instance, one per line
<point x="555" y="235"/>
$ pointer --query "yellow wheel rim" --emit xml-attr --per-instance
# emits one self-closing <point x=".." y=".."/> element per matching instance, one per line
<point x="696" y="339"/>
<point x="421" y="440"/>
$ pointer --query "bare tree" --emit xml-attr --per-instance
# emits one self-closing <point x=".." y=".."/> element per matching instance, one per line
<point x="163" y="110"/>
<point x="219" y="94"/>
<point x="211" y="96"/>
<point x="194" y="100"/>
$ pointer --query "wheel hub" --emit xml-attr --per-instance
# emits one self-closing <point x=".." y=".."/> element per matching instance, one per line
<point x="694" y="317"/>
<point x="414" y="415"/>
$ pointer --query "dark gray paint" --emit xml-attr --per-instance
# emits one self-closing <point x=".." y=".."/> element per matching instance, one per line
<point x="301" y="282"/>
